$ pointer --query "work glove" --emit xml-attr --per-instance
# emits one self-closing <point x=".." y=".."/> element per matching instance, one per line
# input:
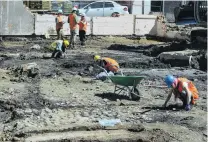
<point x="188" y="107"/>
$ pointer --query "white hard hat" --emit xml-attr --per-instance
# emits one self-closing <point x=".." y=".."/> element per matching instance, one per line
<point x="83" y="14"/>
<point x="60" y="11"/>
<point x="74" y="9"/>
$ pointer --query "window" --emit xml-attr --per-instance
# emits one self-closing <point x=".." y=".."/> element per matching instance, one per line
<point x="108" y="4"/>
<point x="156" y="6"/>
<point x="97" y="5"/>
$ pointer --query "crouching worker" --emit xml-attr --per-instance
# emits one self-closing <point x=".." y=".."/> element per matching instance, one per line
<point x="182" y="89"/>
<point x="61" y="46"/>
<point x="110" y="65"/>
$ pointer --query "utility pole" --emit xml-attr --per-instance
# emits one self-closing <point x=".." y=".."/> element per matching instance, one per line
<point x="163" y="7"/>
<point x="142" y="6"/>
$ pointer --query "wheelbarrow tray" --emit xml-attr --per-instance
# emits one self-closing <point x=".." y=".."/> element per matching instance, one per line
<point x="126" y="80"/>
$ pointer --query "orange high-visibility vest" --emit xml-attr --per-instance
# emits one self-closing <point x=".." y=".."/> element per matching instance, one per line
<point x="59" y="23"/>
<point x="111" y="65"/>
<point x="83" y="25"/>
<point x="191" y="88"/>
<point x="73" y="25"/>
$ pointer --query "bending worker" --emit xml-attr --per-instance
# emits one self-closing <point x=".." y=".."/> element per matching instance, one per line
<point x="182" y="89"/>
<point x="73" y="24"/>
<point x="59" y="25"/>
<point x="110" y="65"/>
<point x="61" y="46"/>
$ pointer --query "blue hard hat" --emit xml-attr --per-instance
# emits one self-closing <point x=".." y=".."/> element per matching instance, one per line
<point x="169" y="79"/>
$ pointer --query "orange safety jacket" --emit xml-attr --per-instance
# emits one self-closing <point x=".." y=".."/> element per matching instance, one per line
<point x="111" y="65"/>
<point x="83" y="25"/>
<point x="72" y="22"/>
<point x="59" y="22"/>
<point x="191" y="88"/>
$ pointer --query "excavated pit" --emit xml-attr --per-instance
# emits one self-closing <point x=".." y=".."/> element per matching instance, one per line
<point x="199" y="59"/>
<point x="62" y="102"/>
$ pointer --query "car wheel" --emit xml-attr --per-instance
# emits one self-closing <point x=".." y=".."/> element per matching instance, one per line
<point x="114" y="14"/>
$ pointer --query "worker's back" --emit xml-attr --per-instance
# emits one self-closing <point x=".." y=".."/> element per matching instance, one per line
<point x="191" y="87"/>
<point x="72" y="19"/>
<point x="111" y="65"/>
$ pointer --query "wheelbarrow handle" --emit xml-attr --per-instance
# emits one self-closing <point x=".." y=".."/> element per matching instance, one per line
<point x="121" y="72"/>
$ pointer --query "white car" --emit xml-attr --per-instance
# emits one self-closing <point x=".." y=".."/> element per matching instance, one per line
<point x="103" y="9"/>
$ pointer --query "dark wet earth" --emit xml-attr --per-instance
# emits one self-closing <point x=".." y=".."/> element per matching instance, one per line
<point x="60" y="101"/>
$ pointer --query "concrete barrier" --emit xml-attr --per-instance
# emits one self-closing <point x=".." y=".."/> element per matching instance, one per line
<point x="162" y="30"/>
<point x="15" y="19"/>
<point x="123" y="25"/>
<point x="46" y="24"/>
<point x="145" y="24"/>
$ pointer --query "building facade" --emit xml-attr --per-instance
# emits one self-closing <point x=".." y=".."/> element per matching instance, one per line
<point x="151" y="6"/>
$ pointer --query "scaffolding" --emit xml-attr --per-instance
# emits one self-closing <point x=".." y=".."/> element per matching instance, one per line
<point x="45" y="6"/>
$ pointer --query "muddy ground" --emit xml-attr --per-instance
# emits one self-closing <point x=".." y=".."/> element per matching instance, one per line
<point x="59" y="100"/>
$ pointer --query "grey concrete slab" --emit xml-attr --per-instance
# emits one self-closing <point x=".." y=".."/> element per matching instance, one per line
<point x="15" y="18"/>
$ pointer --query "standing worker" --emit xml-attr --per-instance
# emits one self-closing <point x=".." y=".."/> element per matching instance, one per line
<point x="82" y="29"/>
<point x="182" y="89"/>
<point x="110" y="65"/>
<point x="59" y="25"/>
<point x="73" y="24"/>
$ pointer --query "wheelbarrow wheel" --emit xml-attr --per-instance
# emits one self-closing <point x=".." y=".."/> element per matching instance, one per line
<point x="135" y="95"/>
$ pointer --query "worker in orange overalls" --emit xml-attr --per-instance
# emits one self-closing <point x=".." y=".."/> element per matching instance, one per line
<point x="182" y="89"/>
<point x="82" y="29"/>
<point x="73" y="24"/>
<point x="110" y="65"/>
<point x="59" y="25"/>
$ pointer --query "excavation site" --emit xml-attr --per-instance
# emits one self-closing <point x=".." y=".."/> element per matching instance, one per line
<point x="48" y="99"/>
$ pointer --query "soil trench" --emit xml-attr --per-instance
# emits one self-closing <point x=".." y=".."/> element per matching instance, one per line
<point x="45" y="99"/>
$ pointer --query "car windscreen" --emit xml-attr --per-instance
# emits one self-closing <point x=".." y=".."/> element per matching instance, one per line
<point x="96" y="5"/>
<point x="116" y="4"/>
